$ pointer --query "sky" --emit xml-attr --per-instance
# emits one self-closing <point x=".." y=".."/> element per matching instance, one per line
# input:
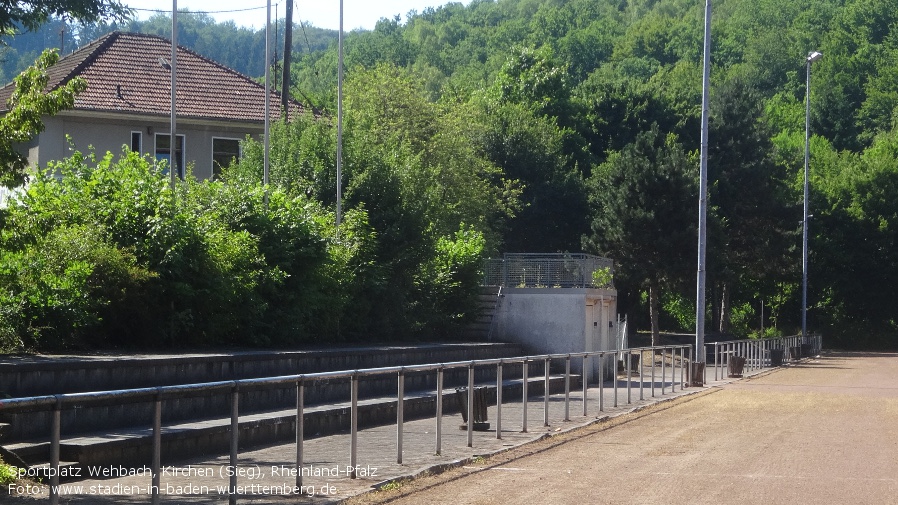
<point x="320" y="13"/>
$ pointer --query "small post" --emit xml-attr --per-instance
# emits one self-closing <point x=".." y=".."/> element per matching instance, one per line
<point x="524" y="415"/>
<point x="471" y="405"/>
<point x="617" y="356"/>
<point x="157" y="449"/>
<point x="300" y="429"/>
<point x="641" y="379"/>
<point x="673" y="369"/>
<point x="601" y="382"/>
<point x="400" y="415"/>
<point x="663" y="372"/>
<point x="353" y="424"/>
<point x="567" y="388"/>
<point x="439" y="441"/>
<point x="585" y="380"/>
<point x="546" y="389"/>
<point x="716" y="361"/>
<point x="235" y="432"/>
<point x="653" y="372"/>
<point x="499" y="401"/>
<point x="55" y="436"/>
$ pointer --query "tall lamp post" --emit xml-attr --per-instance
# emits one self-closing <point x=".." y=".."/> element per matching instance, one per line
<point x="698" y="373"/>
<point x="812" y="57"/>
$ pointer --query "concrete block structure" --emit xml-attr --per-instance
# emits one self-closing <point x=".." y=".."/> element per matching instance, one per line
<point x="557" y="304"/>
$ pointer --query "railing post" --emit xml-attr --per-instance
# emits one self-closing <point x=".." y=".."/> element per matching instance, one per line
<point x="663" y="368"/>
<point x="682" y="364"/>
<point x="641" y="375"/>
<point x="617" y="355"/>
<point x="55" y="436"/>
<point x="300" y="428"/>
<point x="584" y="378"/>
<point x="439" y="441"/>
<point x="716" y="364"/>
<point x="546" y="389"/>
<point x="353" y="424"/>
<point x="524" y="415"/>
<point x="471" y="405"/>
<point x="653" y="371"/>
<point x="567" y="388"/>
<point x="499" y="401"/>
<point x="673" y="370"/>
<point x="627" y="363"/>
<point x="157" y="449"/>
<point x="400" y="414"/>
<point x="601" y="382"/>
<point x="235" y="439"/>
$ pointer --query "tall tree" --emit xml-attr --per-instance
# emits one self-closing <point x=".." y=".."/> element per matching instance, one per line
<point x="31" y="14"/>
<point x="755" y="225"/>
<point x="643" y="201"/>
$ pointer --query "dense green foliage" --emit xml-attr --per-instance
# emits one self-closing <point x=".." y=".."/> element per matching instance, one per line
<point x="22" y="121"/>
<point x="541" y="125"/>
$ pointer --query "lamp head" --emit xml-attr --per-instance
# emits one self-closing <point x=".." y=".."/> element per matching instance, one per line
<point x="814" y="56"/>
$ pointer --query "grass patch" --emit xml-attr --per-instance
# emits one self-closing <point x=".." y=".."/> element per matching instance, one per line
<point x="8" y="473"/>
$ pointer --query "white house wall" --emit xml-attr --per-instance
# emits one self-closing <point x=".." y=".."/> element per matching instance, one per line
<point x="560" y="321"/>
<point x="109" y="135"/>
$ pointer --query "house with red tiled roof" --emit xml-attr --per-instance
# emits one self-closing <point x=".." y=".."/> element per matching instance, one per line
<point x="128" y="103"/>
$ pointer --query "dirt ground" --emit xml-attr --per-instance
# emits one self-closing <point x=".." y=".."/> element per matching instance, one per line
<point x="822" y="432"/>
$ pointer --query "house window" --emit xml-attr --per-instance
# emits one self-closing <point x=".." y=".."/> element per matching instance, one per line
<point x="163" y="151"/>
<point x="224" y="151"/>
<point x="137" y="142"/>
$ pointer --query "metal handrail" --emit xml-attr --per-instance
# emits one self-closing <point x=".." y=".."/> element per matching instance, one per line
<point x="561" y="270"/>
<point x="56" y="403"/>
<point x="757" y="351"/>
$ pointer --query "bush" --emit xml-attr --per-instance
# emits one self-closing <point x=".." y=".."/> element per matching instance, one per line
<point x="108" y="255"/>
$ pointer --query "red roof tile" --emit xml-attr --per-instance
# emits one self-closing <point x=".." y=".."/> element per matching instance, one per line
<point x="124" y="75"/>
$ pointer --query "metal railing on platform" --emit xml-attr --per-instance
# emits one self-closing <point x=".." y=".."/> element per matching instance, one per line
<point x="672" y="359"/>
<point x="557" y="270"/>
<point x="755" y="354"/>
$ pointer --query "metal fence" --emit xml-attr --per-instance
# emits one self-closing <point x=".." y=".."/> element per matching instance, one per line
<point x="674" y="361"/>
<point x="755" y="354"/>
<point x="549" y="271"/>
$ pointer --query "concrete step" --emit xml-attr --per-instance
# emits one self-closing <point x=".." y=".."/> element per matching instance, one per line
<point x="132" y="448"/>
<point x="31" y="376"/>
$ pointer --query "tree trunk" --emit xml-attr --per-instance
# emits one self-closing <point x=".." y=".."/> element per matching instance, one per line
<point x="654" y="307"/>
<point x="724" y="308"/>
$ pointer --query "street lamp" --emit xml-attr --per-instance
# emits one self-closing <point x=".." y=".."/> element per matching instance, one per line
<point x="812" y="57"/>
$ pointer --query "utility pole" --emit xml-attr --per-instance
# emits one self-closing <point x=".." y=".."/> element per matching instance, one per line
<point x="173" y="137"/>
<point x="703" y="211"/>
<point x="288" y="48"/>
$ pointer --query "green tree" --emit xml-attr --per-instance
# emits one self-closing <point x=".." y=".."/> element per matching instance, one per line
<point x="754" y="224"/>
<point x="31" y="14"/>
<point x="29" y="102"/>
<point x="643" y="216"/>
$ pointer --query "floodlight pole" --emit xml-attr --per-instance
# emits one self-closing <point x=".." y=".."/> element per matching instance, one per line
<point x="703" y="200"/>
<point x="173" y="137"/>
<point x="340" y="120"/>
<point x="812" y="57"/>
<point x="265" y="161"/>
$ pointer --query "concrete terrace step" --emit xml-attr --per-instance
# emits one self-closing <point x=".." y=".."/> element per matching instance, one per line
<point x="133" y="447"/>
<point x="40" y="375"/>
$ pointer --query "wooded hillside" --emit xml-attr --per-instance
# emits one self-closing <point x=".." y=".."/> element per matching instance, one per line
<point x="568" y="125"/>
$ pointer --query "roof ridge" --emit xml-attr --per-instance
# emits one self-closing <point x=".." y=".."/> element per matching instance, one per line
<point x="226" y="68"/>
